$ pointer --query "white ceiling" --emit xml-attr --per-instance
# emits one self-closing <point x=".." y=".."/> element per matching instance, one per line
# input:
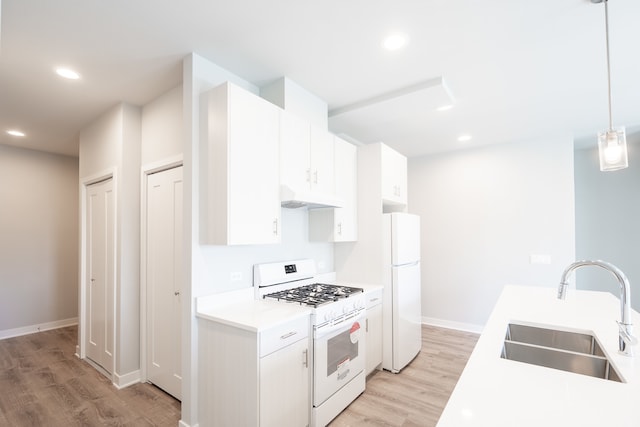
<point x="518" y="70"/>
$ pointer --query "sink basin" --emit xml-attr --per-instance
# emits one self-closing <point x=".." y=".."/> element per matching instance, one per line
<point x="568" y="351"/>
<point x="570" y="341"/>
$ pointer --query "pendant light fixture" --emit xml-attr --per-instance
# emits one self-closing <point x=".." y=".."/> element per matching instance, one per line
<point x="612" y="143"/>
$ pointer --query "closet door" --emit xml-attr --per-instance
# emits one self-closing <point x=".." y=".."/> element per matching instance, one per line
<point x="101" y="280"/>
<point x="164" y="279"/>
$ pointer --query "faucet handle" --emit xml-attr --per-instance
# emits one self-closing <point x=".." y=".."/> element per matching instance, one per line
<point x="626" y="334"/>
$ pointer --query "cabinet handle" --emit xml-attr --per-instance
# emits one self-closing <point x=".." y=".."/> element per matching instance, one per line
<point x="275" y="226"/>
<point x="305" y="358"/>
<point x="287" y="335"/>
<point x="309" y="175"/>
<point x="366" y="328"/>
<point x="340" y="228"/>
<point x="374" y="299"/>
<point x="315" y="177"/>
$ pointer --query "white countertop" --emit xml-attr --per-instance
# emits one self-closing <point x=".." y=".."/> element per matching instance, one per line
<point x="241" y="310"/>
<point x="495" y="392"/>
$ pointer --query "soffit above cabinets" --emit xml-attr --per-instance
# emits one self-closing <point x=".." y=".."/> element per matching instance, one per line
<point x="410" y="108"/>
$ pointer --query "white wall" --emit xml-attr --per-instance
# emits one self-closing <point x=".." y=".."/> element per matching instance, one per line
<point x="222" y="261"/>
<point x="199" y="75"/>
<point x="162" y="128"/>
<point x="608" y="220"/>
<point x="128" y="247"/>
<point x="38" y="240"/>
<point x="111" y="144"/>
<point x="483" y="212"/>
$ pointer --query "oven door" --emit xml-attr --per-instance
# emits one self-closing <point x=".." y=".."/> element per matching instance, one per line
<point x="338" y="356"/>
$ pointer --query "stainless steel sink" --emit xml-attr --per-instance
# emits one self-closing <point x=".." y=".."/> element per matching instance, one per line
<point x="568" y="351"/>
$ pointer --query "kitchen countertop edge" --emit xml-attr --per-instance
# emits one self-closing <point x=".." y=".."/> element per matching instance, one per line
<point x="502" y="393"/>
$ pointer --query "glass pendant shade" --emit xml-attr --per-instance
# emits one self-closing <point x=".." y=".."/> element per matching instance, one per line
<point x="612" y="148"/>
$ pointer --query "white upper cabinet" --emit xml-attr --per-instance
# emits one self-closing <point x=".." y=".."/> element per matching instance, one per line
<point x="243" y="194"/>
<point x="306" y="157"/>
<point x="295" y="152"/>
<point x="394" y="176"/>
<point x="321" y="161"/>
<point x="339" y="224"/>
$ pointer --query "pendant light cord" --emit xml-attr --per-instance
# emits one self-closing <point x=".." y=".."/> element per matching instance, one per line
<point x="606" y="23"/>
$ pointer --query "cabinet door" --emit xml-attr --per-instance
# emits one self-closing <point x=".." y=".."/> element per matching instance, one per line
<point x="322" y="167"/>
<point x="254" y="191"/>
<point x="394" y="176"/>
<point x="284" y="387"/>
<point x="346" y="173"/>
<point x="339" y="224"/>
<point x="295" y="155"/>
<point x="244" y="174"/>
<point x="374" y="337"/>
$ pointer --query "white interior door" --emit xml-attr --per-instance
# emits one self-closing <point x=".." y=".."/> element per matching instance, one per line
<point x="164" y="279"/>
<point x="100" y="293"/>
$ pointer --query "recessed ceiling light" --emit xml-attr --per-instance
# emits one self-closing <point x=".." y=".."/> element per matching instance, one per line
<point x="444" y="107"/>
<point x="395" y="41"/>
<point x="464" y="138"/>
<point x="67" y="73"/>
<point x="14" y="132"/>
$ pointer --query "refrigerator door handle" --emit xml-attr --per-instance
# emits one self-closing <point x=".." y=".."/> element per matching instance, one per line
<point x="410" y="264"/>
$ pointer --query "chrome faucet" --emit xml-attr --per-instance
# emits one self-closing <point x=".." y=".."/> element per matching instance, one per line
<point x="625" y="327"/>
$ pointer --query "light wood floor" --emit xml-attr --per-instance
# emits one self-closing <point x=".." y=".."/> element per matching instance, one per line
<point x="418" y="394"/>
<point x="42" y="383"/>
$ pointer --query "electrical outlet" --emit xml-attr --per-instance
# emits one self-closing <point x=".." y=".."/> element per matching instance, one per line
<point x="236" y="276"/>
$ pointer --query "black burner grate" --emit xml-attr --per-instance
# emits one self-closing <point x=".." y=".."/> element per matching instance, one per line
<point x="314" y="295"/>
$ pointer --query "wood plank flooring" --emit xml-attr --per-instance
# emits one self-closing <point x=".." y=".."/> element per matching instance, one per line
<point x="418" y="394"/>
<point x="42" y="383"/>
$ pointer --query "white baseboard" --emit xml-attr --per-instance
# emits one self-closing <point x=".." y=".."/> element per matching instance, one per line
<point x="183" y="424"/>
<point x="122" y="381"/>
<point x="460" y="326"/>
<point x="32" y="329"/>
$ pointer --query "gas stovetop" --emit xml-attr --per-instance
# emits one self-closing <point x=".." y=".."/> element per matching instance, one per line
<point x="315" y="294"/>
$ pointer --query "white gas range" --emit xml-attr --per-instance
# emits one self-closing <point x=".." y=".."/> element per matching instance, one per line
<point x="338" y="314"/>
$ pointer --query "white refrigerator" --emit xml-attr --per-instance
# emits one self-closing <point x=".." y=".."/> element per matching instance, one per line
<point x="401" y="304"/>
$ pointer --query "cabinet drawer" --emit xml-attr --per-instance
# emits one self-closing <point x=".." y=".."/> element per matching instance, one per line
<point x="281" y="336"/>
<point x="373" y="297"/>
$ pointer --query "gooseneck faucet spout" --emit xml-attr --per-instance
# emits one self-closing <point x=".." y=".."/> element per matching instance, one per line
<point x="625" y="327"/>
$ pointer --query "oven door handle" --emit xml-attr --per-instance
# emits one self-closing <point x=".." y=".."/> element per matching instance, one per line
<point x="342" y="326"/>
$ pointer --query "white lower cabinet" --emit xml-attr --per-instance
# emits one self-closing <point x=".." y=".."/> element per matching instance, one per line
<point x="284" y="385"/>
<point x="374" y="330"/>
<point x="254" y="378"/>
